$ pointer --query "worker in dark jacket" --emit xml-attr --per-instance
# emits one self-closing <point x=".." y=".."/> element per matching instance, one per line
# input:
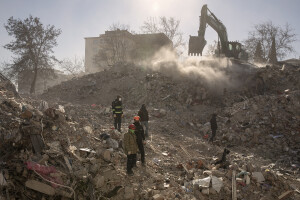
<point x="117" y="112"/>
<point x="130" y="148"/>
<point x="144" y="118"/>
<point x="214" y="126"/>
<point x="140" y="137"/>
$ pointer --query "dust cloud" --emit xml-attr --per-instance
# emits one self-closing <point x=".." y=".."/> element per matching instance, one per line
<point x="215" y="74"/>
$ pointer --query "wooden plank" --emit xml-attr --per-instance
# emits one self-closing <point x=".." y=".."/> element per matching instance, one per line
<point x="40" y="187"/>
<point x="68" y="164"/>
<point x="286" y="194"/>
<point x="233" y="186"/>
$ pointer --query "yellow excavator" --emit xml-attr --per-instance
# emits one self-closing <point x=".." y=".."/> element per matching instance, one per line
<point x="226" y="48"/>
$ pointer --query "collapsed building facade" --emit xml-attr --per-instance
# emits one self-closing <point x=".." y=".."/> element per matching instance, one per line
<point x="122" y="46"/>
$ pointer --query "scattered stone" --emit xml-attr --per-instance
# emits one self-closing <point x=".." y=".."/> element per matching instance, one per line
<point x="128" y="193"/>
<point x="40" y="187"/>
<point x="107" y="155"/>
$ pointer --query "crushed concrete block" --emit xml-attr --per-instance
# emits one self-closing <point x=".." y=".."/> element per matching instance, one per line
<point x="258" y="176"/>
<point x="26" y="114"/>
<point x="205" y="191"/>
<point x="217" y="183"/>
<point x="162" y="112"/>
<point x="158" y="197"/>
<point x="2" y="179"/>
<point x="88" y="129"/>
<point x="128" y="193"/>
<point x="107" y="155"/>
<point x="40" y="187"/>
<point x="99" y="181"/>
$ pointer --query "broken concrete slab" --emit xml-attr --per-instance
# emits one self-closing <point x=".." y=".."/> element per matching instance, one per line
<point x="99" y="181"/>
<point x="202" y="182"/>
<point x="40" y="187"/>
<point x="158" y="197"/>
<point x="128" y="193"/>
<point x="107" y="155"/>
<point x="258" y="176"/>
<point x="217" y="183"/>
<point x="2" y="180"/>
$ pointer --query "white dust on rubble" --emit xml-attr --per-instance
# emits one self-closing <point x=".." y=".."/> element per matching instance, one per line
<point x="215" y="74"/>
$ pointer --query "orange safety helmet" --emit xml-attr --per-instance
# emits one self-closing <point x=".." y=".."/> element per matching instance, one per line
<point x="131" y="126"/>
<point x="136" y="118"/>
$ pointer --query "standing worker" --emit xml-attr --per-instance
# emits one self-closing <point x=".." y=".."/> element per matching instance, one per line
<point x="144" y="118"/>
<point x="130" y="148"/>
<point x="117" y="112"/>
<point x="214" y="126"/>
<point x="140" y="138"/>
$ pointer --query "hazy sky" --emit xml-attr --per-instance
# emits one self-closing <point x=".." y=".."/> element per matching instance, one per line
<point x="89" y="18"/>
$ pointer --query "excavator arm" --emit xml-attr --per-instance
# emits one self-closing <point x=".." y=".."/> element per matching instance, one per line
<point x="197" y="43"/>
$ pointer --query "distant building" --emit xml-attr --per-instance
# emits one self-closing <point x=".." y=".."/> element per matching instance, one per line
<point x="122" y="46"/>
<point x="293" y="61"/>
<point x="46" y="78"/>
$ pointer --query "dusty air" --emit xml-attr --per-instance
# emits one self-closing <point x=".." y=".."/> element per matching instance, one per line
<point x="149" y="100"/>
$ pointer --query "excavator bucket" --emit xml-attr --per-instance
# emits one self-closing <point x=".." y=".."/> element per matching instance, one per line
<point x="196" y="45"/>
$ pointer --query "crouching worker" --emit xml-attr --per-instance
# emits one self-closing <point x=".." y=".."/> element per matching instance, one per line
<point x="130" y="148"/>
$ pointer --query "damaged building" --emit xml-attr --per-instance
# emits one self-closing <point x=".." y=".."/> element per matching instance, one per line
<point x="122" y="46"/>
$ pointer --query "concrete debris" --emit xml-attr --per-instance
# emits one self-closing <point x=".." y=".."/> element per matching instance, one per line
<point x="158" y="197"/>
<point x="88" y="129"/>
<point x="107" y="155"/>
<point x="40" y="187"/>
<point x="62" y="144"/>
<point x="205" y="182"/>
<point x="286" y="194"/>
<point x="2" y="180"/>
<point x="258" y="176"/>
<point x="217" y="183"/>
<point x="129" y="195"/>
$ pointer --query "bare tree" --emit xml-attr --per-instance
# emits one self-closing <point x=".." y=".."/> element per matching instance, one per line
<point x="272" y="53"/>
<point x="258" y="54"/>
<point x="150" y="26"/>
<point x="32" y="46"/>
<point x="168" y="26"/>
<point x="264" y="32"/>
<point x="73" y="66"/>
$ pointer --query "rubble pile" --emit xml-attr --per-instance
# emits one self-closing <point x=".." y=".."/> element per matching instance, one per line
<point x="140" y="84"/>
<point x="39" y="159"/>
<point x="67" y="148"/>
<point x="267" y="123"/>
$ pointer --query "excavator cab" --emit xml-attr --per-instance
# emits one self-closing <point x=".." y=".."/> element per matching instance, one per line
<point x="234" y="49"/>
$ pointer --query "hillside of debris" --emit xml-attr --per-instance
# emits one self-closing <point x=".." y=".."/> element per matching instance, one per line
<point x="166" y="82"/>
<point x="262" y="112"/>
<point x="65" y="146"/>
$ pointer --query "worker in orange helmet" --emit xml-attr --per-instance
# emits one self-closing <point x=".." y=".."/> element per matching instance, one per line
<point x="130" y="148"/>
<point x="140" y="138"/>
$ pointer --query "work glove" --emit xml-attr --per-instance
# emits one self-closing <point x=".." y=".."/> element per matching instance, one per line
<point x="115" y="115"/>
<point x="122" y="115"/>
